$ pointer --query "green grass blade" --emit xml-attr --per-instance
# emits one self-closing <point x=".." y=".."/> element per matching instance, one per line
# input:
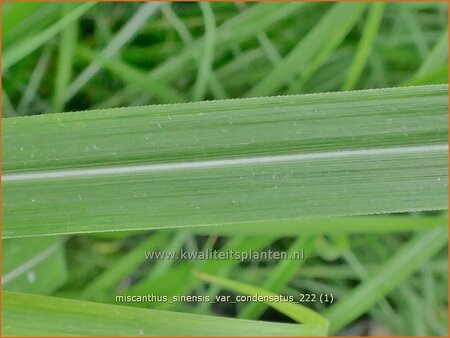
<point x="367" y="40"/>
<point x="23" y="47"/>
<point x="175" y="245"/>
<point x="280" y="276"/>
<point x="206" y="62"/>
<point x="382" y="151"/>
<point x="438" y="55"/>
<point x="66" y="51"/>
<point x="434" y="65"/>
<point x="31" y="91"/>
<point x="215" y="86"/>
<point x="8" y="109"/>
<point x="177" y="24"/>
<point x="297" y="312"/>
<point x="361" y="271"/>
<point x="324" y="37"/>
<point x="271" y="51"/>
<point x="409" y="19"/>
<point x="24" y="315"/>
<point x="237" y="243"/>
<point x="398" y="268"/>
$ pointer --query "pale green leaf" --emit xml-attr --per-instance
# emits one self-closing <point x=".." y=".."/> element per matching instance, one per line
<point x="226" y="162"/>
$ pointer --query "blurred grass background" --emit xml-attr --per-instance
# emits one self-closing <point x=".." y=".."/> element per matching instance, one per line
<point x="392" y="45"/>
<point x="127" y="54"/>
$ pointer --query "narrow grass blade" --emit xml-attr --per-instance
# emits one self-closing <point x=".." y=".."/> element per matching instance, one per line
<point x="37" y="75"/>
<point x="280" y="276"/>
<point x="271" y="51"/>
<point x="434" y="65"/>
<point x="177" y="24"/>
<point x="206" y="62"/>
<point x="175" y="245"/>
<point x="120" y="169"/>
<point x="122" y="267"/>
<point x="297" y="312"/>
<point x="385" y="307"/>
<point x="398" y="268"/>
<point x="409" y="19"/>
<point x="215" y="86"/>
<point x="226" y="269"/>
<point x="24" y="315"/>
<point x="8" y="109"/>
<point x="66" y="51"/>
<point x="23" y="47"/>
<point x="367" y="40"/>
<point x="437" y="56"/>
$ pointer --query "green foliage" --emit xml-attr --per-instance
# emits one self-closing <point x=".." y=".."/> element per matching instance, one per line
<point x="348" y="163"/>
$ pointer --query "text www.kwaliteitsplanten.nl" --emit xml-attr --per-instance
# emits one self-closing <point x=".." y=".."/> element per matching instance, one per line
<point x="227" y="254"/>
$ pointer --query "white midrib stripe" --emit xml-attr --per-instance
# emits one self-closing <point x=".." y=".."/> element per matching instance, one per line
<point x="162" y="167"/>
<point x="30" y="264"/>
